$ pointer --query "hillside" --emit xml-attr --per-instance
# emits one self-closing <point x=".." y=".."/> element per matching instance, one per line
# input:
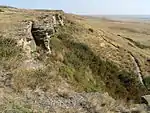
<point x="96" y="65"/>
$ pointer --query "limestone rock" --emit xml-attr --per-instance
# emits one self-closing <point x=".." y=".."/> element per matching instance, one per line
<point x="146" y="99"/>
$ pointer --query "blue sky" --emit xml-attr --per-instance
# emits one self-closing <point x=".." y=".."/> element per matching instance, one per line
<point x="136" y="7"/>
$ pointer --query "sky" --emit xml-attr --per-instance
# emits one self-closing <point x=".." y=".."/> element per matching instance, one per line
<point x="90" y="7"/>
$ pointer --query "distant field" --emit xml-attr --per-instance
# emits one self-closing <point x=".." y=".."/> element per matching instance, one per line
<point x="135" y="27"/>
<point x="134" y="18"/>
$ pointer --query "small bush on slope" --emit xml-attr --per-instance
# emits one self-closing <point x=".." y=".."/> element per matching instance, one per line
<point x="8" y="48"/>
<point x="9" y="52"/>
<point x="147" y="82"/>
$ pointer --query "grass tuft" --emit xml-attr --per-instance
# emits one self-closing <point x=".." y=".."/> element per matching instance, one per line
<point x="8" y="48"/>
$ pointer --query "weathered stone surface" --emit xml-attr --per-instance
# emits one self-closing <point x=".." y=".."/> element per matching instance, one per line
<point x="146" y="99"/>
<point x="43" y="29"/>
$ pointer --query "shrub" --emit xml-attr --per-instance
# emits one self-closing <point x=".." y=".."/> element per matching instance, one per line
<point x="147" y="82"/>
<point x="8" y="48"/>
<point x="91" y="30"/>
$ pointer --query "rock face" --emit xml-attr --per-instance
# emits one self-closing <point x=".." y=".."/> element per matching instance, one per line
<point x="39" y="32"/>
<point x="42" y="30"/>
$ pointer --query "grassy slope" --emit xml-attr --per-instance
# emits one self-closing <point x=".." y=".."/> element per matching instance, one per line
<point x="91" y="71"/>
<point x="83" y="69"/>
<point x="84" y="66"/>
<point x="132" y="36"/>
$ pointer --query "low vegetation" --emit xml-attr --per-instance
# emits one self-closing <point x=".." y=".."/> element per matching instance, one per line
<point x="73" y="60"/>
<point x="31" y="79"/>
<point x="8" y="48"/>
<point x="147" y="82"/>
<point x="89" y="72"/>
<point x="82" y="69"/>
<point x="10" y="53"/>
<point x="91" y="30"/>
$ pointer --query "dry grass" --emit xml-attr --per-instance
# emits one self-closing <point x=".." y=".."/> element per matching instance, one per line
<point x="6" y="50"/>
<point x="32" y="79"/>
<point x="14" y="108"/>
<point x="81" y="68"/>
<point x="10" y="53"/>
<point x="88" y="72"/>
<point x="81" y="61"/>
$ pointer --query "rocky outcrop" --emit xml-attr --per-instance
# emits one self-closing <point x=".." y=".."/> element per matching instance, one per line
<point x="42" y="30"/>
<point x="27" y="43"/>
<point x="39" y="32"/>
<point x="137" y="69"/>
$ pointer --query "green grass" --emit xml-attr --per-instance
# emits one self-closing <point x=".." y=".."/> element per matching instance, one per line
<point x="147" y="82"/>
<point x="89" y="72"/>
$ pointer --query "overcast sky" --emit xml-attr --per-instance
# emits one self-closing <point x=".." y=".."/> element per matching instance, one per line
<point x="136" y="7"/>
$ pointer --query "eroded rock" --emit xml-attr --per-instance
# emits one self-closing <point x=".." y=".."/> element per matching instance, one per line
<point x="43" y="30"/>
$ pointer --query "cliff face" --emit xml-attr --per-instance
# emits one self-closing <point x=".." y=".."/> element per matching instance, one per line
<point x="89" y="69"/>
